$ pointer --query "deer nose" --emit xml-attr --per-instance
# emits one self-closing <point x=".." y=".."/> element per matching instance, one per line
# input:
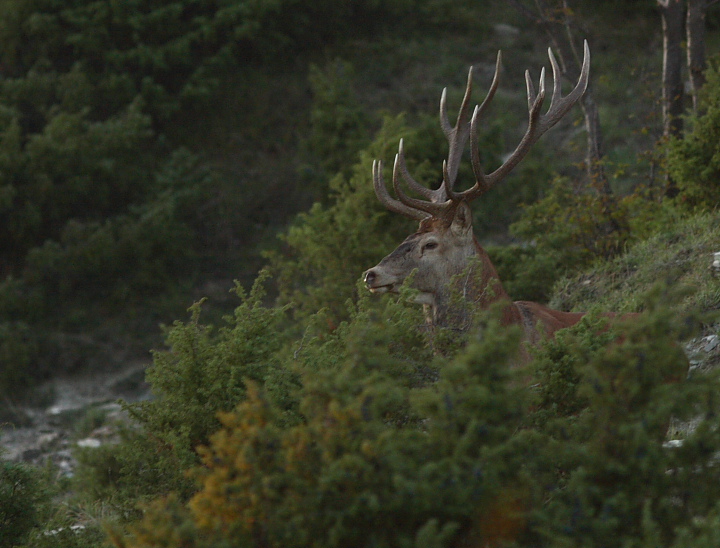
<point x="369" y="277"/>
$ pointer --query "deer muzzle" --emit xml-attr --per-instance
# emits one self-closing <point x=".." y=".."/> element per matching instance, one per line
<point x="376" y="282"/>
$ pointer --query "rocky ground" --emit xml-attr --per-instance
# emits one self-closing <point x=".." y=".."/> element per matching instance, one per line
<point x="704" y="351"/>
<point x="82" y="411"/>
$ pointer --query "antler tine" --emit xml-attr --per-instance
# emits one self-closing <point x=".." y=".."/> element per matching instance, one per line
<point x="474" y="149"/>
<point x="444" y="118"/>
<point x="444" y="200"/>
<point x="537" y="123"/>
<point x="457" y="136"/>
<point x="481" y="184"/>
<point x="388" y="201"/>
<point x="424" y="191"/>
<point x="560" y="105"/>
<point x="429" y="208"/>
<point x="493" y="87"/>
<point x="535" y="101"/>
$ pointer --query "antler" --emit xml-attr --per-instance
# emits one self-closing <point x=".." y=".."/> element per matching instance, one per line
<point x="537" y="124"/>
<point x="457" y="136"/>
<point x="436" y="202"/>
<point x="443" y="201"/>
<point x="388" y="201"/>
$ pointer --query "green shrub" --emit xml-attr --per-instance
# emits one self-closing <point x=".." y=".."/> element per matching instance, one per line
<point x="75" y="168"/>
<point x="569" y="229"/>
<point x="469" y="457"/>
<point x="619" y="479"/>
<point x="128" y="255"/>
<point x="338" y="124"/>
<point x="34" y="515"/>
<point x="24" y="501"/>
<point x="559" y="364"/>
<point x="528" y="272"/>
<point x="693" y="160"/>
<point x="140" y="468"/>
<point x="204" y="372"/>
<point x="326" y="249"/>
<point x="358" y="467"/>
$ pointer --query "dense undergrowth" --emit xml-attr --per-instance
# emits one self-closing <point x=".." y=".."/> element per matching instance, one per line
<point x="364" y="433"/>
<point x="146" y="149"/>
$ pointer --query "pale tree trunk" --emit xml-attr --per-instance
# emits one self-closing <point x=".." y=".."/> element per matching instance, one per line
<point x="672" y="12"/>
<point x="673" y="90"/>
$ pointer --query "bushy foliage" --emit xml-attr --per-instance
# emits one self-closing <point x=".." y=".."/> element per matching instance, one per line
<point x="97" y="267"/>
<point x="74" y="168"/>
<point x="23" y="502"/>
<point x="327" y="249"/>
<point x="169" y="52"/>
<point x="351" y="465"/>
<point x="693" y="160"/>
<point x="562" y="231"/>
<point x="339" y="126"/>
<point x="203" y="372"/>
<point x="88" y="87"/>
<point x="622" y="481"/>
<point x="34" y="513"/>
<point x="101" y="202"/>
<point x="129" y="254"/>
<point x="559" y="363"/>
<point x="570" y="228"/>
<point x="388" y="455"/>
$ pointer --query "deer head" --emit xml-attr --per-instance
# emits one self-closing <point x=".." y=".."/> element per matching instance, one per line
<point x="444" y="243"/>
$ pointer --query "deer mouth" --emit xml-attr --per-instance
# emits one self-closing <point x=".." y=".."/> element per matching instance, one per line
<point x="389" y="288"/>
<point x="378" y="281"/>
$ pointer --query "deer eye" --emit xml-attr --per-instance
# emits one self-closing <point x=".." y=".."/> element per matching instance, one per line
<point x="429" y="245"/>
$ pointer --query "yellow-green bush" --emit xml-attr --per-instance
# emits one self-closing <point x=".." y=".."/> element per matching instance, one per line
<point x="396" y="446"/>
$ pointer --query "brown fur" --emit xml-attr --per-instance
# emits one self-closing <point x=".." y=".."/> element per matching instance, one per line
<point x="439" y="252"/>
<point x="446" y="219"/>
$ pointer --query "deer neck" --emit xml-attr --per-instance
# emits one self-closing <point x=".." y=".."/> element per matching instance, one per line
<point x="475" y="285"/>
<point x="492" y="288"/>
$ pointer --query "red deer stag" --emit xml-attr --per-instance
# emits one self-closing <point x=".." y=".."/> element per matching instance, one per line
<point x="444" y="248"/>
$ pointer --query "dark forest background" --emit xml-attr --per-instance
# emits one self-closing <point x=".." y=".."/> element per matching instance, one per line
<point x="154" y="154"/>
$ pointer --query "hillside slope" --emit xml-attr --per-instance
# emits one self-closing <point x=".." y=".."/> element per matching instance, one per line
<point x="678" y="256"/>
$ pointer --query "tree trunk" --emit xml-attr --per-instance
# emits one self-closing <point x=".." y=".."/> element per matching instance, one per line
<point x="695" y="29"/>
<point x="595" y="152"/>
<point x="556" y="20"/>
<point x="673" y="90"/>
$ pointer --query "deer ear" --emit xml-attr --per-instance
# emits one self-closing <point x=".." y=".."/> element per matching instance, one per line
<point x="462" y="221"/>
